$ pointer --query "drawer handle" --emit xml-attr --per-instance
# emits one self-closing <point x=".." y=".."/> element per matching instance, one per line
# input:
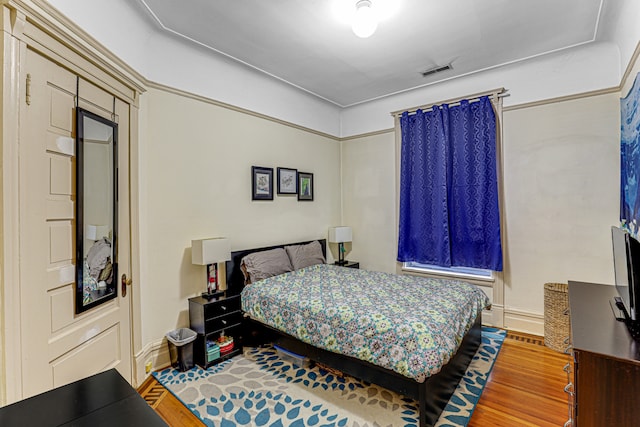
<point x="567" y="340"/>
<point x="568" y="349"/>
<point x="224" y="322"/>
<point x="569" y="423"/>
<point x="567" y="367"/>
<point x="569" y="388"/>
<point x="566" y="312"/>
<point x="223" y="308"/>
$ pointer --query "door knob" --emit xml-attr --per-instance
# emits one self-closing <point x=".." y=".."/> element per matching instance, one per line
<point x="124" y="283"/>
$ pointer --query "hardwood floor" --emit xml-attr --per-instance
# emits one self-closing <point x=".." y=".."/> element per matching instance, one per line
<point x="166" y="405"/>
<point x="524" y="389"/>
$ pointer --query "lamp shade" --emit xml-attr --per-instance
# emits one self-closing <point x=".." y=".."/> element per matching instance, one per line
<point x="95" y="232"/>
<point x="210" y="251"/>
<point x="91" y="232"/>
<point x="340" y="234"/>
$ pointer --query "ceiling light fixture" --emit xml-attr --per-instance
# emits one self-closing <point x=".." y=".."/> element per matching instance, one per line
<point x="365" y="20"/>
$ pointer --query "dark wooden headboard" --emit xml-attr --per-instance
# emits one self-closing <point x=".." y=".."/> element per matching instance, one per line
<point x="235" y="278"/>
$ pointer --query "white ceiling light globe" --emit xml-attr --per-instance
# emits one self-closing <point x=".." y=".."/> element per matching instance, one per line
<point x="365" y="20"/>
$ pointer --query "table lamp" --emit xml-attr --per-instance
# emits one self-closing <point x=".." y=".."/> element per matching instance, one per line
<point x="210" y="252"/>
<point x="96" y="232"/>
<point x="340" y="235"/>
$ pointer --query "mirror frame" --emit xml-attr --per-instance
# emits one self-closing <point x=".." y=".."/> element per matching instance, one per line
<point x="111" y="290"/>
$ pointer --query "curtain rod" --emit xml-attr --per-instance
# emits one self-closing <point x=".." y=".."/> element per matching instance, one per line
<point x="497" y="93"/>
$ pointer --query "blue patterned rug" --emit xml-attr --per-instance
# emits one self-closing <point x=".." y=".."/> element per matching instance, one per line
<point x="260" y="389"/>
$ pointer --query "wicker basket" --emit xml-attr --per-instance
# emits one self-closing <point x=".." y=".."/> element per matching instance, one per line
<point x="556" y="316"/>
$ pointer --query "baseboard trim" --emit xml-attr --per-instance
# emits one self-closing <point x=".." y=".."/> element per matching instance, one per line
<point x="494" y="317"/>
<point x="157" y="353"/>
<point x="524" y="321"/>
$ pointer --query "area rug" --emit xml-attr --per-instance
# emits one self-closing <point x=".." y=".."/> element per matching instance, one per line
<point x="259" y="388"/>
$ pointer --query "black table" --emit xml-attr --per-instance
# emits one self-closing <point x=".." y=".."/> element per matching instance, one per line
<point x="104" y="399"/>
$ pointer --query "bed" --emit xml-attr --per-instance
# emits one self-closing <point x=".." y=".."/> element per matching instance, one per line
<point x="357" y="322"/>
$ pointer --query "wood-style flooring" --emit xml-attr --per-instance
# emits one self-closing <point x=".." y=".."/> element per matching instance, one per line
<point x="525" y="389"/>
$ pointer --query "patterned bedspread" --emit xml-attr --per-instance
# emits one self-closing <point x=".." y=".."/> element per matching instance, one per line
<point x="406" y="324"/>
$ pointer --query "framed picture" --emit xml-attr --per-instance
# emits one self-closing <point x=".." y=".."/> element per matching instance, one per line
<point x="261" y="183"/>
<point x="305" y="186"/>
<point x="287" y="181"/>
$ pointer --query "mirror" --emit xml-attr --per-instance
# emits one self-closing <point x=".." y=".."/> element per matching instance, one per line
<point x="96" y="210"/>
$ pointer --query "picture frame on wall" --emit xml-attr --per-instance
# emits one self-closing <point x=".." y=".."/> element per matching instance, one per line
<point x="305" y="186"/>
<point x="261" y="183"/>
<point x="287" y="181"/>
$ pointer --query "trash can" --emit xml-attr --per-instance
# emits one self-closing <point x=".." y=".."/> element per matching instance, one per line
<point x="181" y="348"/>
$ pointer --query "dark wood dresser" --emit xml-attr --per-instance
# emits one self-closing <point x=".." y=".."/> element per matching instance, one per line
<point x="102" y="400"/>
<point x="605" y="387"/>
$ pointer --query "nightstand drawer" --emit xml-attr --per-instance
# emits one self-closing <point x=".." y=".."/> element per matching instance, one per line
<point x="222" y="322"/>
<point x="222" y="306"/>
<point x="202" y="311"/>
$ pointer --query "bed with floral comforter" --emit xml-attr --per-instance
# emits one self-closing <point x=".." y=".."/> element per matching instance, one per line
<point x="407" y="324"/>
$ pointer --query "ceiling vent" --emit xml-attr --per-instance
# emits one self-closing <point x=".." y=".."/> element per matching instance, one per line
<point x="436" y="69"/>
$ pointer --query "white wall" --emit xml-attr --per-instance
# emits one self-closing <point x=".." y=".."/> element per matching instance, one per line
<point x="126" y="29"/>
<point x="177" y="64"/>
<point x="119" y="25"/>
<point x="561" y="191"/>
<point x="369" y="200"/>
<point x="196" y="183"/>
<point x="619" y="24"/>
<point x="590" y="67"/>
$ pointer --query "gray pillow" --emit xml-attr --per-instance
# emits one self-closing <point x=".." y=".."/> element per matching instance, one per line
<point x="302" y="256"/>
<point x="260" y="265"/>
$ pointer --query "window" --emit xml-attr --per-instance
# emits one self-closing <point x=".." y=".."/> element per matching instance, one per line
<point x="454" y="272"/>
<point x="449" y="207"/>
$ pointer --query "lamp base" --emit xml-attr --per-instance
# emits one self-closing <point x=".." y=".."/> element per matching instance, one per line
<point x="212" y="295"/>
<point x="341" y="262"/>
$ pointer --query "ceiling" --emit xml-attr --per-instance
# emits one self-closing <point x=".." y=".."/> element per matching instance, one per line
<point x="303" y="43"/>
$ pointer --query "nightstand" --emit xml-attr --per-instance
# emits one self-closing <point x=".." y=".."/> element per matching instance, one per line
<point x="211" y="318"/>
<point x="349" y="264"/>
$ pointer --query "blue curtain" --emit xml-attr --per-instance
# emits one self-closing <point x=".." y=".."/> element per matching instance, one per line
<point x="449" y="214"/>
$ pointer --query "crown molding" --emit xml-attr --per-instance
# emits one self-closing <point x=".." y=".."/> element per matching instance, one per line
<point x="48" y="19"/>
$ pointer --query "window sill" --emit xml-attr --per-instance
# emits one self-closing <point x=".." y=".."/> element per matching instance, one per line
<point x="447" y="275"/>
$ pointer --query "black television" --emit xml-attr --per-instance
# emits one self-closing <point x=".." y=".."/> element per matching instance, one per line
<point x="626" y="261"/>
